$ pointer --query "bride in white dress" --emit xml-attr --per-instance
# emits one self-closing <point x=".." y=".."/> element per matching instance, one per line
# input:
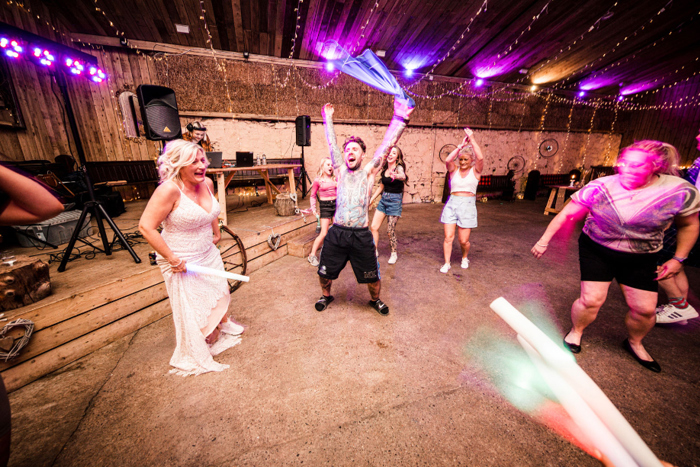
<point x="185" y="205"/>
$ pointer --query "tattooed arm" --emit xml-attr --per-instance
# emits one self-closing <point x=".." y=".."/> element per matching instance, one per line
<point x="336" y="155"/>
<point x="401" y="115"/>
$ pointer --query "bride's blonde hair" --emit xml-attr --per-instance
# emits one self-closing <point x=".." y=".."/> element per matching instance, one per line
<point x="178" y="154"/>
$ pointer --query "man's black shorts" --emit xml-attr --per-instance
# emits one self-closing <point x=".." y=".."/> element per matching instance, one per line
<point x="602" y="264"/>
<point x="347" y="243"/>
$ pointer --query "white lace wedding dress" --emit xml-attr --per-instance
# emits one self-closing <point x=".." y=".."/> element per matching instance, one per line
<point x="198" y="301"/>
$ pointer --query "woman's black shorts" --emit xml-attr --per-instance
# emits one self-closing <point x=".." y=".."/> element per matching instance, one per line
<point x="327" y="208"/>
<point x="602" y="264"/>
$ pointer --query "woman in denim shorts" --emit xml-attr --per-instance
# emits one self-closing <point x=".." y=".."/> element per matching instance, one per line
<point x="391" y="189"/>
<point x="460" y="211"/>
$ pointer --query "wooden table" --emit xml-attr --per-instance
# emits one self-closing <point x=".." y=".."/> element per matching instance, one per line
<point x="225" y="175"/>
<point x="557" y="197"/>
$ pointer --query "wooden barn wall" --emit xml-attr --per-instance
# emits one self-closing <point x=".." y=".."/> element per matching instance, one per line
<point x="676" y="126"/>
<point x="47" y="134"/>
<point x="259" y="91"/>
<point x="268" y="89"/>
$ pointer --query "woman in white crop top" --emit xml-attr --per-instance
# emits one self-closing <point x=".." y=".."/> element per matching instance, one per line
<point x="460" y="211"/>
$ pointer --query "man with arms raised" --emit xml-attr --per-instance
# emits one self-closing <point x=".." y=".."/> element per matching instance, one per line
<point x="349" y="237"/>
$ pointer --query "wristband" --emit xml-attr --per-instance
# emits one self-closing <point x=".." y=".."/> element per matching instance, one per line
<point x="679" y="259"/>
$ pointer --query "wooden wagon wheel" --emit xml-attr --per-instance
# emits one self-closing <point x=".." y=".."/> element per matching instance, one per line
<point x="233" y="254"/>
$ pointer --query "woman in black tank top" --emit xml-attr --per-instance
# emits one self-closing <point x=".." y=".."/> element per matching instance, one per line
<point x="391" y="189"/>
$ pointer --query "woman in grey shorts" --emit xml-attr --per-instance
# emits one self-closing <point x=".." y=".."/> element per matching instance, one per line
<point x="460" y="211"/>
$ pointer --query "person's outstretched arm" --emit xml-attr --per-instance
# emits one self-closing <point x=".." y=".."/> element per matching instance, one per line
<point x="29" y="201"/>
<point x="688" y="230"/>
<point x="450" y="160"/>
<point x="377" y="193"/>
<point x="336" y="155"/>
<point x="478" y="155"/>
<point x="402" y="113"/>
<point x="312" y="196"/>
<point x="397" y="173"/>
<point x="572" y="212"/>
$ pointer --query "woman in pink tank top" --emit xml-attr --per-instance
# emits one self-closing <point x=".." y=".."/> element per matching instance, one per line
<point x="459" y="213"/>
<point x="325" y="186"/>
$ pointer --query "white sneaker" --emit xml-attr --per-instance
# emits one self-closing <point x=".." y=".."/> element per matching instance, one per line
<point x="313" y="260"/>
<point x="229" y="327"/>
<point x="393" y="258"/>
<point x="668" y="313"/>
<point x="465" y="263"/>
<point x="445" y="267"/>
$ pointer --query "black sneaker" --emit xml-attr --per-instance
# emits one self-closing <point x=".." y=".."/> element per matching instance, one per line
<point x="323" y="302"/>
<point x="380" y="306"/>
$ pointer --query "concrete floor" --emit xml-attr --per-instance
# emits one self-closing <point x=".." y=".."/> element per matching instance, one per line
<point x="348" y="386"/>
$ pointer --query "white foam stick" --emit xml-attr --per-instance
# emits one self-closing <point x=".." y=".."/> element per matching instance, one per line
<point x="565" y="365"/>
<point x="580" y="412"/>
<point x="216" y="272"/>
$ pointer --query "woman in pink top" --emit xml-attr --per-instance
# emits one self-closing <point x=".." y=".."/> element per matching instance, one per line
<point x="626" y="215"/>
<point x="325" y="187"/>
<point x="460" y="210"/>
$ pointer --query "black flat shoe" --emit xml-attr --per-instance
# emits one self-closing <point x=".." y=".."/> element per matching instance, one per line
<point x="323" y="302"/>
<point x="649" y="365"/>
<point x="573" y="348"/>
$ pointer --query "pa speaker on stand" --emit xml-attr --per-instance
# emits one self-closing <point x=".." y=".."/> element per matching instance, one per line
<point x="303" y="130"/>
<point x="161" y="119"/>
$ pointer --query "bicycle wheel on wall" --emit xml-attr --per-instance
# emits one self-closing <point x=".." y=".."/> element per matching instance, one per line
<point x="233" y="254"/>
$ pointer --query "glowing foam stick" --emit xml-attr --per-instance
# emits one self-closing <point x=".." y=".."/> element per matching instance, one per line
<point x="216" y="272"/>
<point x="565" y="366"/>
<point x="579" y="411"/>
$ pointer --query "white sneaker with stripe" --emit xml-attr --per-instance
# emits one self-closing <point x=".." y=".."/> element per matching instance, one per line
<point x="667" y="314"/>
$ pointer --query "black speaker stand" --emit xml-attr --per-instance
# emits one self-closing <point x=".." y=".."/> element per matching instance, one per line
<point x="304" y="176"/>
<point x="98" y="211"/>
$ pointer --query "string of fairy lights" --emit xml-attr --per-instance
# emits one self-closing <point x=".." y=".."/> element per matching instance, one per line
<point x="556" y="93"/>
<point x="220" y="66"/>
<point x="636" y="32"/>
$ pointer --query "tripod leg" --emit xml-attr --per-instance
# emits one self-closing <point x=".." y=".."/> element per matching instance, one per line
<point x="118" y="233"/>
<point x="73" y="239"/>
<point x="99" y="211"/>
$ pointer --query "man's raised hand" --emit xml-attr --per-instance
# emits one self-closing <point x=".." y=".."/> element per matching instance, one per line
<point x="402" y="107"/>
<point x="327" y="110"/>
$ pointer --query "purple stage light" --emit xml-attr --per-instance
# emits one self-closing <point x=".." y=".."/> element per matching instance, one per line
<point x="36" y="52"/>
<point x="620" y="97"/>
<point x="101" y="74"/>
<point x="479" y="82"/>
<point x="75" y="71"/>
<point x="97" y="79"/>
<point x="408" y="72"/>
<point x="45" y="62"/>
<point x="12" y="53"/>
<point x="4" y="42"/>
<point x="582" y="93"/>
<point x="69" y="62"/>
<point x="330" y="66"/>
